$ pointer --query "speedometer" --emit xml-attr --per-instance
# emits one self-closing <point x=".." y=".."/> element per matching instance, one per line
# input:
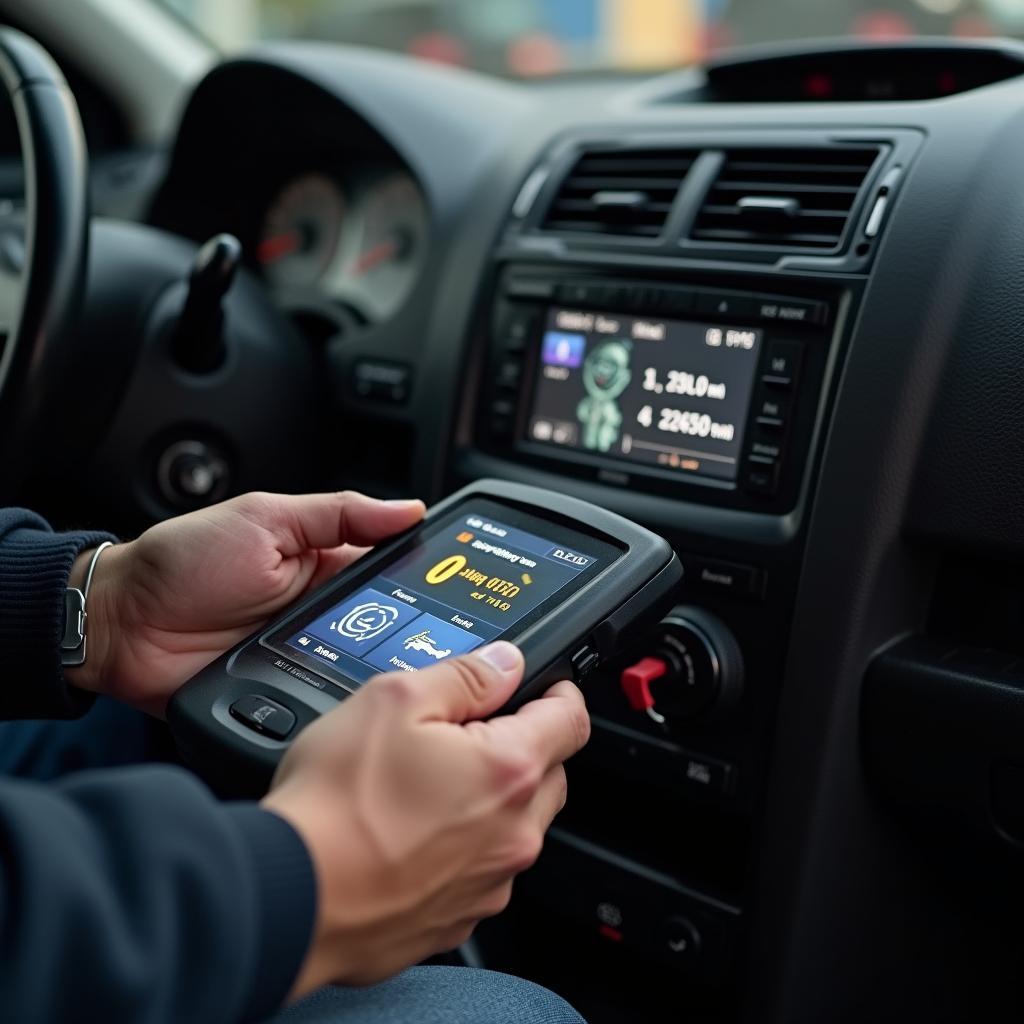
<point x="301" y="232"/>
<point x="385" y="248"/>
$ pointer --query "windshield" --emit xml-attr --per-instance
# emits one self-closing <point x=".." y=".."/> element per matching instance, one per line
<point x="541" y="38"/>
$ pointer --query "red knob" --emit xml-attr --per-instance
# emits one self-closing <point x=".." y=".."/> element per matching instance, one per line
<point x="636" y="682"/>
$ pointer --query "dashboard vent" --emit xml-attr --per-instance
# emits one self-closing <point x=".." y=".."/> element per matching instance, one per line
<point x="619" y="192"/>
<point x="790" y="198"/>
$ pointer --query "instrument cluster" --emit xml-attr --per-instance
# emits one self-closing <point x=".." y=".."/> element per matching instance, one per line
<point x="356" y="240"/>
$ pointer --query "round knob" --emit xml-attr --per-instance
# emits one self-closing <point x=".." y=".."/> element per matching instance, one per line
<point x="694" y="666"/>
<point x="192" y="473"/>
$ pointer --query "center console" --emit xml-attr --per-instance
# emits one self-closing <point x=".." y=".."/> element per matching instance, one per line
<point x="698" y="407"/>
<point x="660" y="330"/>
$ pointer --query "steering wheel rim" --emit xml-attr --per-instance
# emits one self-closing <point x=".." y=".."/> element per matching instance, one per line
<point x="33" y="390"/>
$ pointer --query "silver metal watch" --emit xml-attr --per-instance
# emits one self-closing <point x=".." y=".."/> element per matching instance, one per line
<point x="72" y="644"/>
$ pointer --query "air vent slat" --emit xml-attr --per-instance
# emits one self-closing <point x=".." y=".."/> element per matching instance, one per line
<point x="596" y="182"/>
<point x="786" y="198"/>
<point x="789" y="188"/>
<point x="624" y="193"/>
<point x="806" y="214"/>
<point x="765" y="238"/>
<point x="600" y="227"/>
<point x="588" y="206"/>
<point x="763" y="166"/>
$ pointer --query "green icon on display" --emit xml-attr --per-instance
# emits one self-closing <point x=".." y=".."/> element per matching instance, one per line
<point x="607" y="372"/>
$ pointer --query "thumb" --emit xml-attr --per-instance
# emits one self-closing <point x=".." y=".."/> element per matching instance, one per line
<point x="472" y="686"/>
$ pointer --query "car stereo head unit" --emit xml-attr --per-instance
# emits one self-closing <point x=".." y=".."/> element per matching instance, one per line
<point x="657" y="385"/>
<point x="649" y="390"/>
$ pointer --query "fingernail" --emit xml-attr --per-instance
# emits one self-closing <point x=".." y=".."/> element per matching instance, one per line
<point x="502" y="655"/>
<point x="402" y="502"/>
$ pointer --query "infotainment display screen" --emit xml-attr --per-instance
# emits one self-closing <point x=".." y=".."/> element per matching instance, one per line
<point x="667" y="394"/>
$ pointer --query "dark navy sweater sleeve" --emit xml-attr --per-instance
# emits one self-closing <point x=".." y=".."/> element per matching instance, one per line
<point x="133" y="896"/>
<point x="35" y="564"/>
<point x="130" y="895"/>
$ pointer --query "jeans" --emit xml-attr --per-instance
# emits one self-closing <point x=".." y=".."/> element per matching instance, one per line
<point x="422" y="995"/>
<point x="435" y="995"/>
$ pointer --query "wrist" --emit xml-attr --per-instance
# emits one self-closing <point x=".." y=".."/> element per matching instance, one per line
<point x="101" y="627"/>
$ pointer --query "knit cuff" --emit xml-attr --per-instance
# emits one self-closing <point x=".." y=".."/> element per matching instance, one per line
<point x="34" y="569"/>
<point x="285" y="885"/>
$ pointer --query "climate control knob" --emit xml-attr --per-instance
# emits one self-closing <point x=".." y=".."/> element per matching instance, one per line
<point x="694" y="666"/>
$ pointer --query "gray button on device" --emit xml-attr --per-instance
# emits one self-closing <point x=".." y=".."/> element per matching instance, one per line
<point x="264" y="715"/>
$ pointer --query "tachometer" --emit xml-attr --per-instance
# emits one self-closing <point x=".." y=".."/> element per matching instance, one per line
<point x="385" y="251"/>
<point x="301" y="232"/>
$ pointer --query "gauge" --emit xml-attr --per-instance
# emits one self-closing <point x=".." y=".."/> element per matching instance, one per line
<point x="384" y="255"/>
<point x="301" y="232"/>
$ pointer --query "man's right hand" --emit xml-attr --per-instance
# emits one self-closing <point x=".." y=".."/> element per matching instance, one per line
<point x="417" y="814"/>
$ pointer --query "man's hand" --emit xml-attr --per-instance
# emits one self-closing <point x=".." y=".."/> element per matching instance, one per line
<point x="165" y="605"/>
<point x="417" y="815"/>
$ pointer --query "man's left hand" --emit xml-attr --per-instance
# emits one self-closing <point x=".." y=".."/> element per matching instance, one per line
<point x="163" y="606"/>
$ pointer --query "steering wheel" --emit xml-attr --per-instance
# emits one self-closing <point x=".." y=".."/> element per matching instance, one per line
<point x="143" y="374"/>
<point x="56" y="231"/>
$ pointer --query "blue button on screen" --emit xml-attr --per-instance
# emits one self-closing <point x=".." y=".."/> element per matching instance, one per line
<point x="362" y="622"/>
<point x="422" y="643"/>
<point x="562" y="349"/>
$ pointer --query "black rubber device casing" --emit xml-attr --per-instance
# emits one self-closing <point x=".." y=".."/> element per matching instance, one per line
<point x="568" y="643"/>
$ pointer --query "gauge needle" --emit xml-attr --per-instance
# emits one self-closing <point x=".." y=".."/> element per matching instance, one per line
<point x="276" y="247"/>
<point x="374" y="257"/>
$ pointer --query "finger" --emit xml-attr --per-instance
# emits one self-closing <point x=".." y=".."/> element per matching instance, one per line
<point x="553" y="727"/>
<point x="469" y="687"/>
<point x="549" y="799"/>
<point x="347" y="517"/>
<point x="331" y="561"/>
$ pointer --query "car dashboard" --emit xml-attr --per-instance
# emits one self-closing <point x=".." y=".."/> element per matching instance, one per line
<point x="770" y="309"/>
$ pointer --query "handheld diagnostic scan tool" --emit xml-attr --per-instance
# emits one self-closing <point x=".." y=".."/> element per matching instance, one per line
<point x="560" y="578"/>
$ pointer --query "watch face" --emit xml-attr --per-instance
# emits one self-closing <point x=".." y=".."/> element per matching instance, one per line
<point x="72" y="644"/>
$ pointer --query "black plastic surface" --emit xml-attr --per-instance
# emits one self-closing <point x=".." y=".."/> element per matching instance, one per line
<point x="940" y="723"/>
<point x="850" y="70"/>
<point x="630" y="592"/>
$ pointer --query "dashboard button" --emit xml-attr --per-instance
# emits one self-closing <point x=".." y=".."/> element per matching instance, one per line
<point x="761" y="476"/>
<point x="503" y="407"/>
<point x="509" y="373"/>
<point x="261" y="714"/>
<point x="794" y="311"/>
<point x="772" y="405"/>
<point x="783" y="363"/>
<point x="530" y="288"/>
<point x="765" y="449"/>
<point x="726" y="577"/>
<point x="707" y="774"/>
<point x="515" y="328"/>
<point x="725" y="304"/>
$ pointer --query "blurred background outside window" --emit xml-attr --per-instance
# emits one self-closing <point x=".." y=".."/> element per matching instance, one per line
<point x="541" y="38"/>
